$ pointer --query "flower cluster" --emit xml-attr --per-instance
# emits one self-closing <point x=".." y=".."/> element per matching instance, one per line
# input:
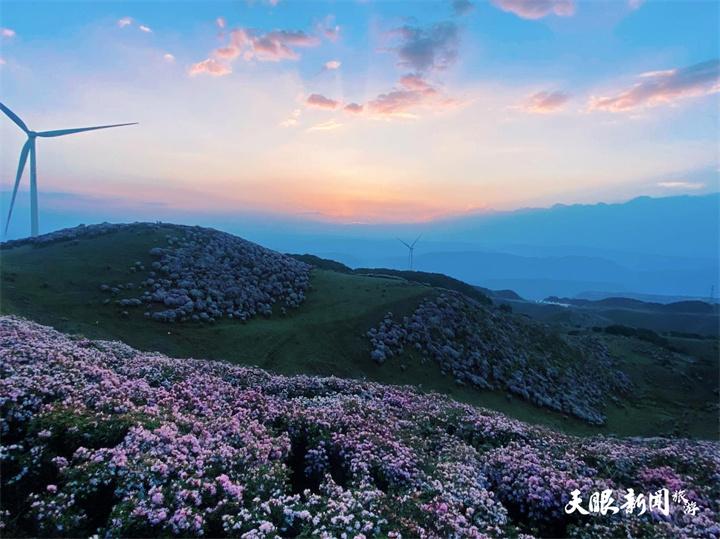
<point x="98" y="438"/>
<point x="489" y="349"/>
<point x="76" y="234"/>
<point x="206" y="275"/>
<point x="201" y="275"/>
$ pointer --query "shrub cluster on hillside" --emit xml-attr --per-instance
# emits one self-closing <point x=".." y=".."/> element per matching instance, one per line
<point x="488" y="349"/>
<point x="201" y="275"/>
<point x="77" y="233"/>
<point x="207" y="275"/>
<point x="98" y="438"/>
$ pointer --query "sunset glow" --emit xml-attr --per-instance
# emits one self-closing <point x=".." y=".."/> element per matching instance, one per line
<point x="365" y="111"/>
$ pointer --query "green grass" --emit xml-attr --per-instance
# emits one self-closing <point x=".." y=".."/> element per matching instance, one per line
<point x="674" y="394"/>
<point x="59" y="285"/>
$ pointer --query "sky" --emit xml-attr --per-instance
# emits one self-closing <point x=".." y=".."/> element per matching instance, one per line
<point x="359" y="111"/>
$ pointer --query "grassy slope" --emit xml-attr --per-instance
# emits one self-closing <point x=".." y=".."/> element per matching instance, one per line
<point x="58" y="285"/>
<point x="703" y="323"/>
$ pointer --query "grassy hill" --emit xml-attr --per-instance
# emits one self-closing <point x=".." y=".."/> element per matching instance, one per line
<point x="58" y="283"/>
<point x="688" y="317"/>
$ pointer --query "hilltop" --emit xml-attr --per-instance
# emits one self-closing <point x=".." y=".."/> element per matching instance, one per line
<point x="100" y="438"/>
<point x="195" y="292"/>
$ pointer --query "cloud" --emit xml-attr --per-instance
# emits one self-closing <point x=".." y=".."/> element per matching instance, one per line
<point x="332" y="33"/>
<point x="293" y="120"/>
<point x="221" y="22"/>
<point x="6" y="32"/>
<point x="353" y="108"/>
<point x="329" y="66"/>
<point x="413" y="92"/>
<point x="330" y="125"/>
<point x="635" y="4"/>
<point x="2" y="62"/>
<point x="211" y="67"/>
<point x="321" y="102"/>
<point x="432" y="47"/>
<point x="545" y="102"/>
<point x="462" y="7"/>
<point x="169" y="57"/>
<point x="681" y="185"/>
<point x="265" y="47"/>
<point x="416" y="83"/>
<point x="127" y="21"/>
<point x="537" y="9"/>
<point x="658" y="87"/>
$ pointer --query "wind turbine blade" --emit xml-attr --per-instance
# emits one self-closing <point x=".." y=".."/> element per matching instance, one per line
<point x="416" y="240"/>
<point x="61" y="132"/>
<point x="14" y="117"/>
<point x="21" y="168"/>
<point x="405" y="244"/>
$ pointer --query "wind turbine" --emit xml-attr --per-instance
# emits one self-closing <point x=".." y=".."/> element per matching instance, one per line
<point x="411" y="248"/>
<point x="29" y="148"/>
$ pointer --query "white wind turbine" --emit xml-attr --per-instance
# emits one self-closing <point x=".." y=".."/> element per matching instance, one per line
<point x="411" y="248"/>
<point x="29" y="148"/>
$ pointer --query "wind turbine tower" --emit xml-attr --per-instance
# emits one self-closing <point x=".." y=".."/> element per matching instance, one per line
<point x="411" y="248"/>
<point x="29" y="148"/>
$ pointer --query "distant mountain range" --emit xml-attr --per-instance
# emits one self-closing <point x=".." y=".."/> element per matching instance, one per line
<point x="646" y="246"/>
<point x="666" y="246"/>
<point x="539" y="277"/>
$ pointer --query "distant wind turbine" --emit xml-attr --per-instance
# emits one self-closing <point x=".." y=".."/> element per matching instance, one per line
<point x="411" y="248"/>
<point x="29" y="147"/>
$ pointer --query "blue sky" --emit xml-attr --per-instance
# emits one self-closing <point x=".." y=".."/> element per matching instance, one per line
<point x="353" y="111"/>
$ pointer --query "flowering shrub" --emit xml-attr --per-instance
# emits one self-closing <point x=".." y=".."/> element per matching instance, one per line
<point x="483" y="347"/>
<point x="201" y="275"/>
<point x="98" y="438"/>
<point x="207" y="275"/>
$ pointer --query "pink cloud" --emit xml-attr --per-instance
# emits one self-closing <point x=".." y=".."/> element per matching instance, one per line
<point x="658" y="87"/>
<point x="416" y="83"/>
<point x="433" y="47"/>
<point x="125" y="21"/>
<point x="332" y="33"/>
<point x="267" y="47"/>
<point x="413" y="92"/>
<point x="353" y="108"/>
<point x="545" y="102"/>
<point x="537" y="9"/>
<point x="210" y="66"/>
<point x="145" y="28"/>
<point x="321" y="102"/>
<point x="330" y="66"/>
<point x="6" y="32"/>
<point x="227" y="53"/>
<point x="221" y="22"/>
<point x="169" y="57"/>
